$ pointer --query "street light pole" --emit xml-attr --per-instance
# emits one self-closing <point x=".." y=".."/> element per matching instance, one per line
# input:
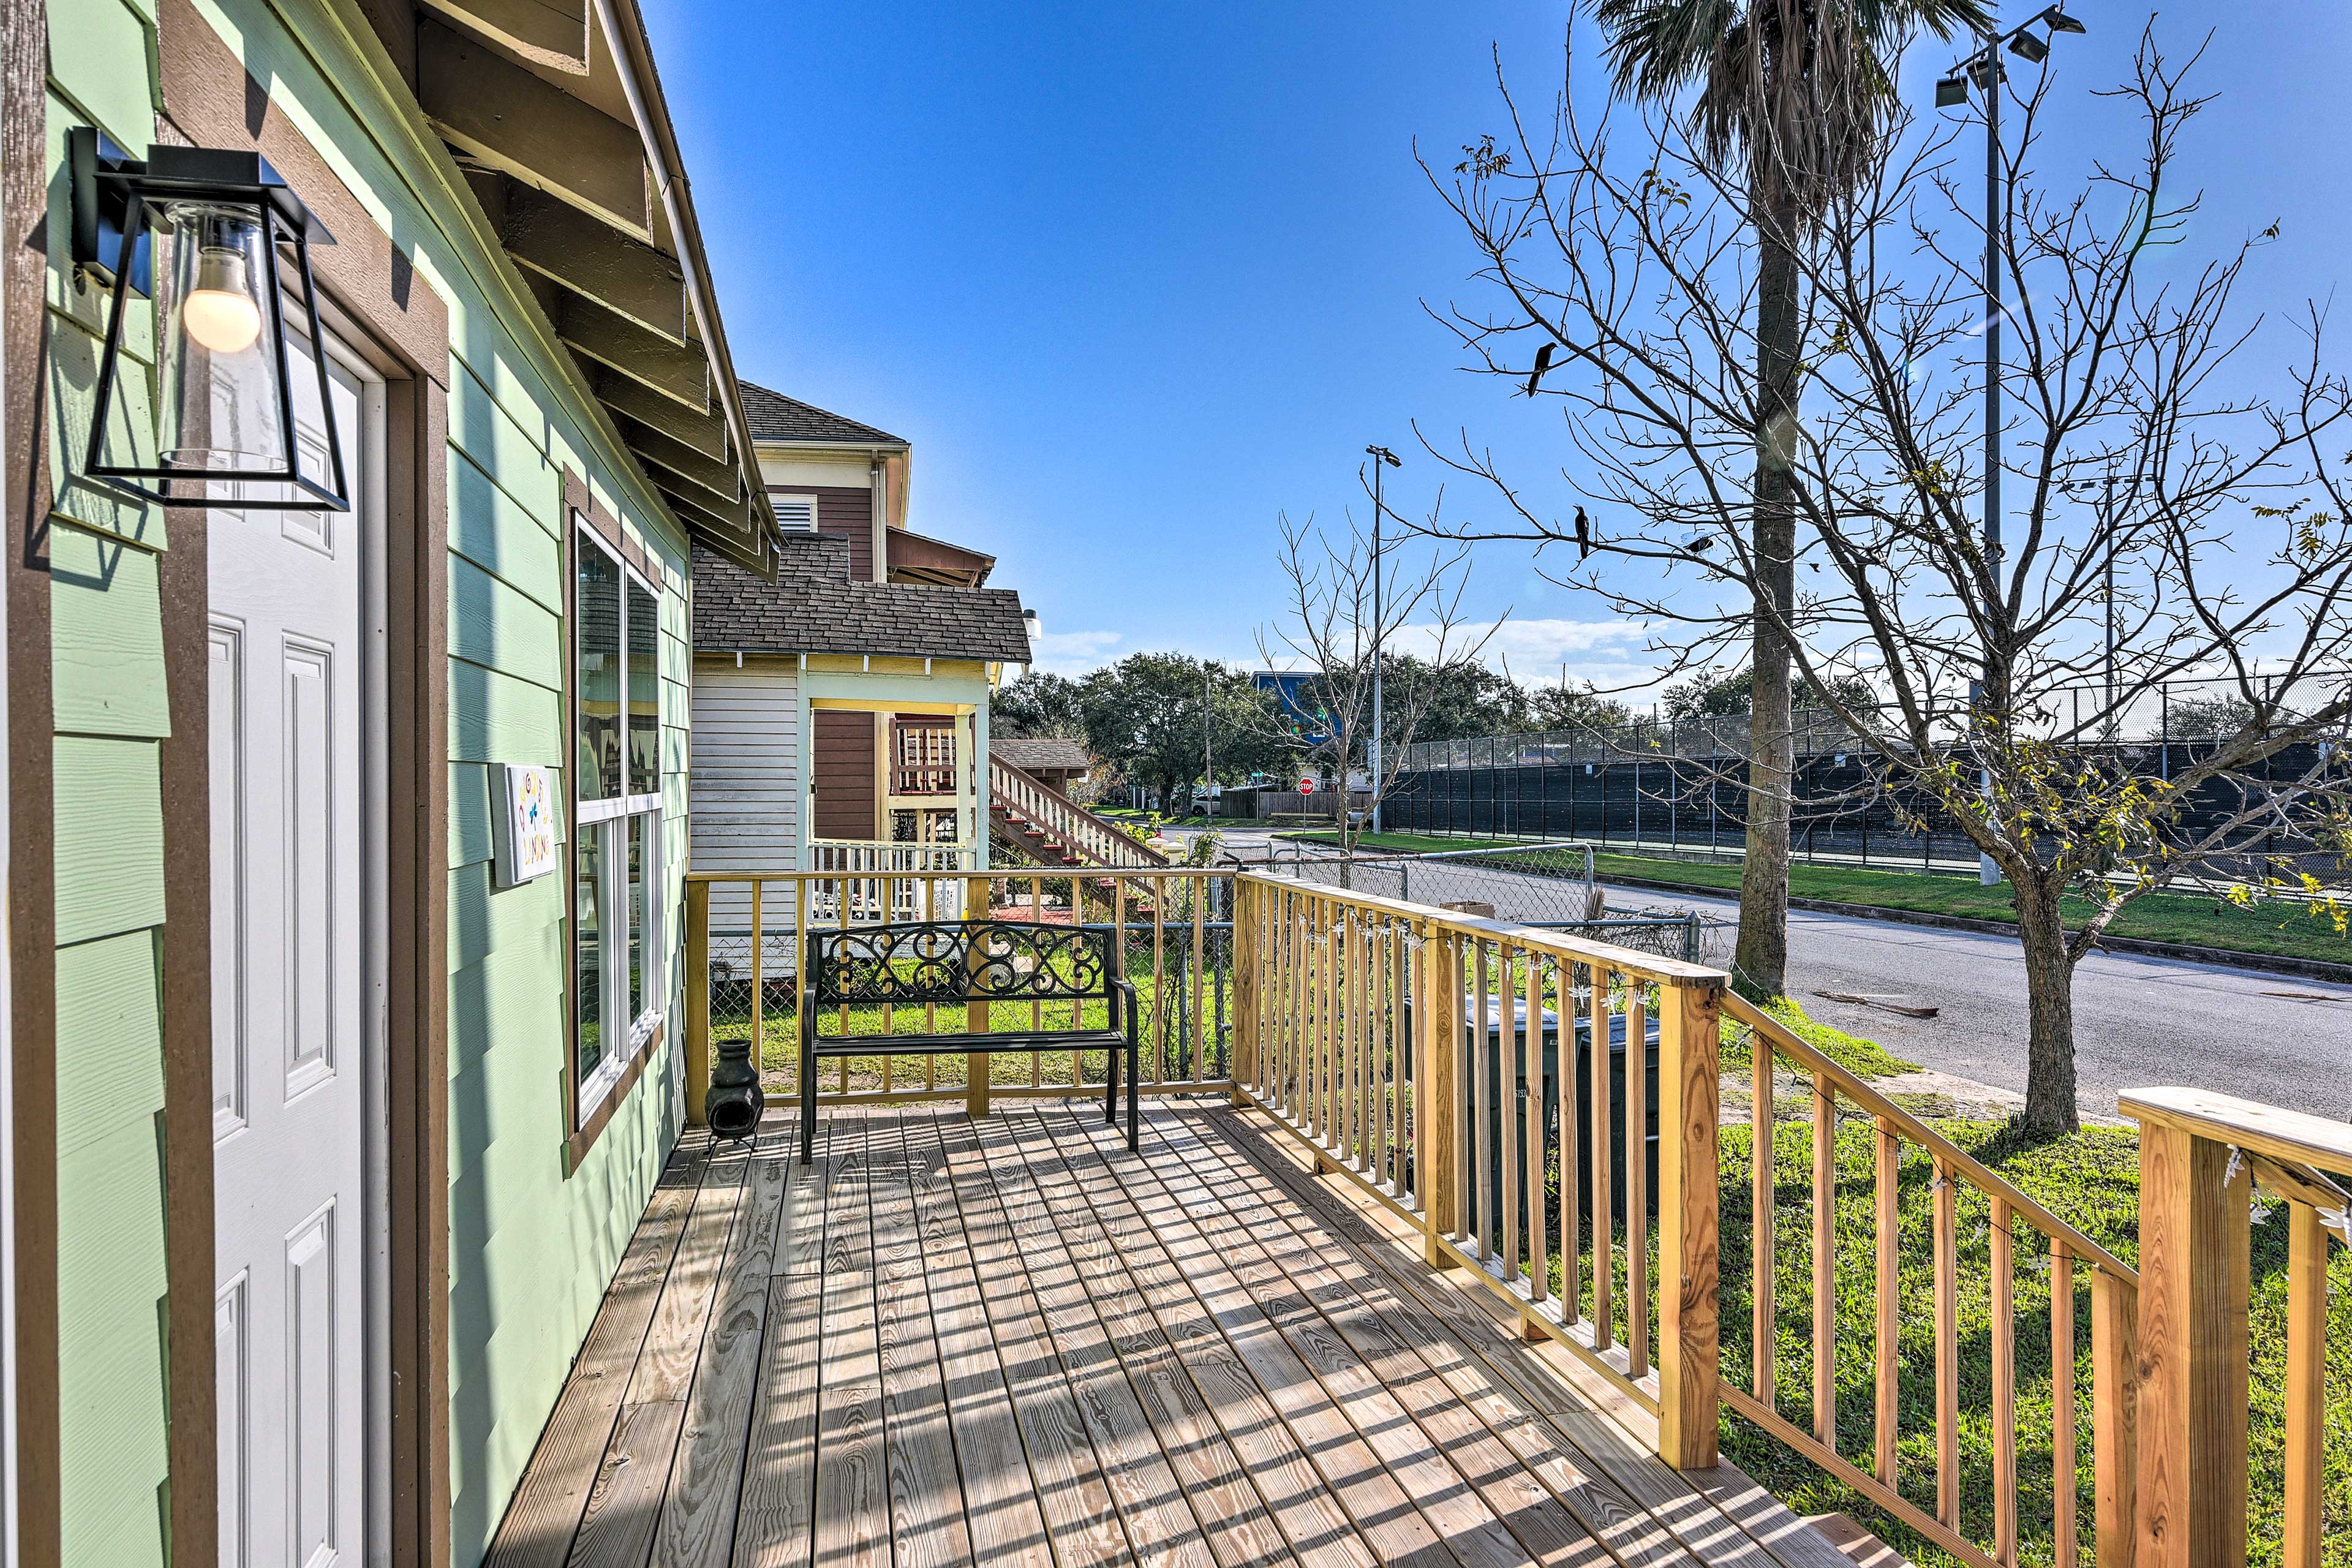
<point x="1382" y="459"/>
<point x="1208" y="752"/>
<point x="1985" y="69"/>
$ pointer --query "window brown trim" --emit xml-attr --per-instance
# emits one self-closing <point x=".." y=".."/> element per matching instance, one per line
<point x="581" y="510"/>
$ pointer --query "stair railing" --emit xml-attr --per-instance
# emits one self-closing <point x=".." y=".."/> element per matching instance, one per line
<point x="1088" y="838"/>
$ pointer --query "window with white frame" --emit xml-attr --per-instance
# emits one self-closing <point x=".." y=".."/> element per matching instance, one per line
<point x="616" y="959"/>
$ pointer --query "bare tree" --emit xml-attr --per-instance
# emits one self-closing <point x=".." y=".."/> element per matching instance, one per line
<point x="1330" y="626"/>
<point x="2226" y="541"/>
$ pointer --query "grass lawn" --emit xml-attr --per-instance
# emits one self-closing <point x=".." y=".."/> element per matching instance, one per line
<point x="2280" y="927"/>
<point x="2090" y="1179"/>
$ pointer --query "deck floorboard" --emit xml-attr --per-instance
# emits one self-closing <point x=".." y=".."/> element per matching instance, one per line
<point x="1012" y="1342"/>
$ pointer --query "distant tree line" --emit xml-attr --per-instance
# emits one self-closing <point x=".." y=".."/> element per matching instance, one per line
<point x="1142" y="716"/>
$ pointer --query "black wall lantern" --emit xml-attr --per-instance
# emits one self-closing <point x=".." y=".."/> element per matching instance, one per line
<point x="225" y="433"/>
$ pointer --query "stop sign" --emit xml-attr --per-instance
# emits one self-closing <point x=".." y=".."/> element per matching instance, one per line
<point x="1306" y="786"/>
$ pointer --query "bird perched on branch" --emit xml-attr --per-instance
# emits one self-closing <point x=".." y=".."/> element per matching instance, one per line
<point x="1543" y="363"/>
<point x="1583" y="535"/>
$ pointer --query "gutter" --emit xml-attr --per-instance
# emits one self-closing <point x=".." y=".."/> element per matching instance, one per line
<point x="624" y="26"/>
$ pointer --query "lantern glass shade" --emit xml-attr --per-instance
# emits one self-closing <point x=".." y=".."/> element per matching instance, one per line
<point x="221" y="403"/>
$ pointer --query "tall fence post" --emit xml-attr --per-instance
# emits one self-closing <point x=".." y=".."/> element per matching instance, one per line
<point x="1437" y="1166"/>
<point x="698" y="998"/>
<point x="1690" y="1094"/>
<point x="2114" y="1416"/>
<point x="1243" y="954"/>
<point x="2194" y="1382"/>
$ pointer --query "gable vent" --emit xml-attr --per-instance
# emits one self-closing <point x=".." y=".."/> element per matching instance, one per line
<point x="795" y="514"/>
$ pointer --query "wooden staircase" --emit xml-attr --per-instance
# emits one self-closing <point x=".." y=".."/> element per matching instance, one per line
<point x="1045" y="825"/>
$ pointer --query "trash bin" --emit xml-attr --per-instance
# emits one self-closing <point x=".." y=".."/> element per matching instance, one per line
<point x="1522" y="1091"/>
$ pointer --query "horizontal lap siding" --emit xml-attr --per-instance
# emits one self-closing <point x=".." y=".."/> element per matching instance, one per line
<point x="531" y="1243"/>
<point x="111" y="710"/>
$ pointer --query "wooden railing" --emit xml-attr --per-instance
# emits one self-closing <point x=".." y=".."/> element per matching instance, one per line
<point x="2202" y="1157"/>
<point x="879" y="858"/>
<point x="746" y="931"/>
<point x="2018" y="1234"/>
<point x="1087" y="837"/>
<point x="1361" y="1033"/>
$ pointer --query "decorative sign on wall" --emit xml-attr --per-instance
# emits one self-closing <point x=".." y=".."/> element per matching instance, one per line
<point x="524" y="824"/>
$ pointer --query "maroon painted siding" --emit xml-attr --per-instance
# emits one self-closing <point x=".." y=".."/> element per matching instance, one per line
<point x="845" y="512"/>
<point x="842" y="753"/>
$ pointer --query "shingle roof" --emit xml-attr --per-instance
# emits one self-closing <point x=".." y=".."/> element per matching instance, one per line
<point x="813" y="607"/>
<point x="775" y="417"/>
<point x="1049" y="754"/>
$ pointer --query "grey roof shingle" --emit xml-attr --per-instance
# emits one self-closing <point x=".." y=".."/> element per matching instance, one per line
<point x="813" y="607"/>
<point x="1050" y="754"/>
<point x="775" y="417"/>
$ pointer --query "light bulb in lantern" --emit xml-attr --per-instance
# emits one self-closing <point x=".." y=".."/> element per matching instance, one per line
<point x="220" y="312"/>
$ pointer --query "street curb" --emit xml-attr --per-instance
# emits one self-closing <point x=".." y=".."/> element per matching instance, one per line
<point x="2137" y="947"/>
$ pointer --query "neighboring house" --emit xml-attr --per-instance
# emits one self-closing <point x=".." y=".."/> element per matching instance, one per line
<point x="839" y="720"/>
<point x="327" y="1133"/>
<point x="844" y="705"/>
<point x="841" y="711"/>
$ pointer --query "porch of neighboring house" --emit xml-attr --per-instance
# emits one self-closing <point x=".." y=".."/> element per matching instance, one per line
<point x="1009" y="1339"/>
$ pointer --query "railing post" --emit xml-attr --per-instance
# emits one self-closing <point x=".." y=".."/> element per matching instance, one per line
<point x="2114" y="1416"/>
<point x="698" y="998"/>
<point x="2195" y="1276"/>
<point x="975" y="1014"/>
<point x="1241" y="912"/>
<point x="1437" y="1165"/>
<point x="1690" y="1108"/>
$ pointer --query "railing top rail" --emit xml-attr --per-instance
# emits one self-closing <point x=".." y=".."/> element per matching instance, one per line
<point x="1978" y="1174"/>
<point x="994" y="874"/>
<point x="2258" y="1129"/>
<point x="1670" y="971"/>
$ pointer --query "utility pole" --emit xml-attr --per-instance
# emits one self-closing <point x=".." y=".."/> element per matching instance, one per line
<point x="1382" y="459"/>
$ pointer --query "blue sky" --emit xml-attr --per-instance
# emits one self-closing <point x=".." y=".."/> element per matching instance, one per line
<point x="1133" y="281"/>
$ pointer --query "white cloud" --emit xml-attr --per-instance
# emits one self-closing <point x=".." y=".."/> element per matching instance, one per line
<point x="1605" y="652"/>
<point x="1074" y="653"/>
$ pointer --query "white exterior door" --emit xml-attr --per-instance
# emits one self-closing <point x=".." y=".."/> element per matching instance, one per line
<point x="292" y="999"/>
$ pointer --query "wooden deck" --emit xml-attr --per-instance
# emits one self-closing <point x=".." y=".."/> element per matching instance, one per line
<point x="1011" y="1341"/>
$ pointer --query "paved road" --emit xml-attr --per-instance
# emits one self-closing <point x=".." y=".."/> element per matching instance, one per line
<point x="2137" y="1021"/>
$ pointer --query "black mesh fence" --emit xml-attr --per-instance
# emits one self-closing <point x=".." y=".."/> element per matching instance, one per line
<point x="1532" y="788"/>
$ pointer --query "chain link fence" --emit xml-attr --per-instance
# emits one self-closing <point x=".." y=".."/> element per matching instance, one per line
<point x="1550" y="886"/>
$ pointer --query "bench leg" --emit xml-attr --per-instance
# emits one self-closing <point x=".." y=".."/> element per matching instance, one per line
<point x="1134" y="1098"/>
<point x="808" y="1105"/>
<point x="1110" y="1086"/>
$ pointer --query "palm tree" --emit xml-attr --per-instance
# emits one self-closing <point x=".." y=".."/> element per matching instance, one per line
<point x="1790" y="95"/>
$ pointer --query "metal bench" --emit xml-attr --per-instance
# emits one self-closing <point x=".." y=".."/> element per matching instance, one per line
<point x="916" y="964"/>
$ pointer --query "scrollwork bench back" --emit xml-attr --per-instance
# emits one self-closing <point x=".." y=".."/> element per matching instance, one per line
<point x="918" y="963"/>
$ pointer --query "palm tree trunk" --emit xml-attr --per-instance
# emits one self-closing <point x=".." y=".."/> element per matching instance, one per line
<point x="2050" y="1086"/>
<point x="1761" y="961"/>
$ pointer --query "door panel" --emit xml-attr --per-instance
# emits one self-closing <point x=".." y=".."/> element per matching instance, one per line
<point x="290" y="621"/>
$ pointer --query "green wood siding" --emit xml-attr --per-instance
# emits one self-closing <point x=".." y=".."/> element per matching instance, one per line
<point x="533" y="1242"/>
